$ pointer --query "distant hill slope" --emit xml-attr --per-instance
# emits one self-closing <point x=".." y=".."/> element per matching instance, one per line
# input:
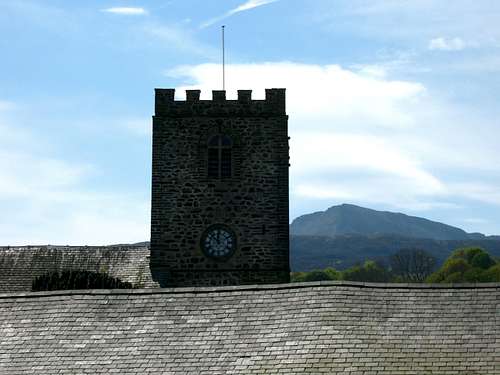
<point x="317" y="252"/>
<point x="347" y="219"/>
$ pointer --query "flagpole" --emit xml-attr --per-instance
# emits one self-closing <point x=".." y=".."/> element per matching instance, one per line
<point x="223" y="62"/>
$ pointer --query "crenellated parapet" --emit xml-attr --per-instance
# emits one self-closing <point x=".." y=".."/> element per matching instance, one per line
<point x="219" y="197"/>
<point x="166" y="105"/>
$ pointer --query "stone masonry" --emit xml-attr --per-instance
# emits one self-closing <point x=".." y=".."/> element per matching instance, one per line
<point x="253" y="202"/>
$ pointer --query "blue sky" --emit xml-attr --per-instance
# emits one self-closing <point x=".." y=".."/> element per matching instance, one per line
<point x="393" y="105"/>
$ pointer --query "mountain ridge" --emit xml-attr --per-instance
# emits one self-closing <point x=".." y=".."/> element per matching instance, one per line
<point x="348" y="219"/>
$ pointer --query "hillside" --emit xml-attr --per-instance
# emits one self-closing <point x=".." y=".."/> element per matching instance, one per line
<point x="348" y="219"/>
<point x="318" y="252"/>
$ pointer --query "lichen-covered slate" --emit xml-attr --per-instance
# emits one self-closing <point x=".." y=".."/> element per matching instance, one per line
<point x="20" y="264"/>
<point x="308" y="328"/>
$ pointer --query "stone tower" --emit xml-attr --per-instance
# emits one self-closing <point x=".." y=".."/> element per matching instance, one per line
<point x="219" y="212"/>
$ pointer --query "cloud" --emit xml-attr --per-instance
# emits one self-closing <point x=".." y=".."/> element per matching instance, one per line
<point x="421" y="21"/>
<point x="41" y="15"/>
<point x="475" y="220"/>
<point x="338" y="123"/>
<point x="443" y="44"/>
<point x="180" y="39"/>
<point x="486" y="63"/>
<point x="5" y="105"/>
<point x="127" y="11"/>
<point x="250" y="4"/>
<point x="478" y="191"/>
<point x="319" y="95"/>
<point x="46" y="199"/>
<point x="22" y="174"/>
<point x="357" y="135"/>
<point x="313" y="152"/>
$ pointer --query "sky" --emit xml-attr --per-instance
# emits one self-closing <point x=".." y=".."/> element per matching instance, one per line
<point x="393" y="105"/>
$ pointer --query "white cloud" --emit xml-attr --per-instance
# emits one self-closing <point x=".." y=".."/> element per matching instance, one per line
<point x="487" y="64"/>
<point x="250" y="4"/>
<point x="6" y="105"/>
<point x="358" y="135"/>
<point x="338" y="120"/>
<point x="73" y="216"/>
<point x="313" y="153"/>
<point x="478" y="191"/>
<point x="318" y="95"/>
<point x="46" y="199"/>
<point x="419" y="21"/>
<point x="443" y="44"/>
<point x="475" y="220"/>
<point x="180" y="39"/>
<point x="23" y="174"/>
<point x="128" y="11"/>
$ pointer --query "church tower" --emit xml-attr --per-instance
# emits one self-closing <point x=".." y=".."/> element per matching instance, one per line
<point x="219" y="210"/>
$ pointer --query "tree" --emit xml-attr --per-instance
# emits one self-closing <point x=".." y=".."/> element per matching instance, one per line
<point x="77" y="279"/>
<point x="412" y="265"/>
<point x="370" y="271"/>
<point x="493" y="273"/>
<point x="316" y="275"/>
<point x="470" y="264"/>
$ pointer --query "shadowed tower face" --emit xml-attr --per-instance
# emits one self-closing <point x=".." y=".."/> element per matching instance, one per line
<point x="219" y="213"/>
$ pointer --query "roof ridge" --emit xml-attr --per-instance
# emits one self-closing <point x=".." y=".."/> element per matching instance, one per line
<point x="218" y="289"/>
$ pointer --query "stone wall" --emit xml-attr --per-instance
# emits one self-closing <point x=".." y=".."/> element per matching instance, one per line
<point x="253" y="203"/>
<point x="19" y="265"/>
<point x="310" y="328"/>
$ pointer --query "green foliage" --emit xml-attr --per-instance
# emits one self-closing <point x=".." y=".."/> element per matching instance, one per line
<point x="369" y="271"/>
<point x="315" y="275"/>
<point x="297" y="277"/>
<point x="333" y="273"/>
<point x="482" y="260"/>
<point x="493" y="273"/>
<point x="474" y="256"/>
<point x="69" y="280"/>
<point x="467" y="265"/>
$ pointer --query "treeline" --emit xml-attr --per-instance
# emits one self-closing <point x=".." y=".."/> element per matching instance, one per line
<point x="469" y="265"/>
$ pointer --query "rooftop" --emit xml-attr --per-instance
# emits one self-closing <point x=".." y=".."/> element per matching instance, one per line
<point x="320" y="327"/>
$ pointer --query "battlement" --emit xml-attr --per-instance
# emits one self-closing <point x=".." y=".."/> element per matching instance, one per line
<point x="167" y="106"/>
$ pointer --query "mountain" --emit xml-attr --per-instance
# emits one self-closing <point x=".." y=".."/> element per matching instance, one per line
<point x="317" y="252"/>
<point x="348" y="219"/>
<point x="347" y="234"/>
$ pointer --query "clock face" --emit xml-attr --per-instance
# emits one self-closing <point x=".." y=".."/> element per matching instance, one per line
<point x="218" y="242"/>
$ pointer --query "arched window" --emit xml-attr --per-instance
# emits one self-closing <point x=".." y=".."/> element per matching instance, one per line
<point x="219" y="156"/>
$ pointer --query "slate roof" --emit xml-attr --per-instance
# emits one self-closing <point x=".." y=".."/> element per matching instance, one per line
<point x="20" y="264"/>
<point x="312" y="328"/>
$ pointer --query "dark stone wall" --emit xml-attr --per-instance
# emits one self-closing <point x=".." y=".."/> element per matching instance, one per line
<point x="19" y="265"/>
<point x="253" y="203"/>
